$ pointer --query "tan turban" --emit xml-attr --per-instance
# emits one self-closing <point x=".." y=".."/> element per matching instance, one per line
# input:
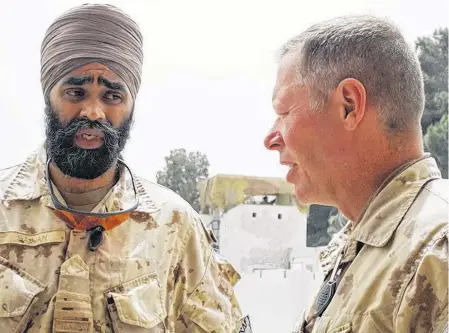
<point x="92" y="34"/>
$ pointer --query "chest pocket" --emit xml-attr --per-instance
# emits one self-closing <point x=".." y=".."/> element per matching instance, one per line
<point x="18" y="293"/>
<point x="136" y="306"/>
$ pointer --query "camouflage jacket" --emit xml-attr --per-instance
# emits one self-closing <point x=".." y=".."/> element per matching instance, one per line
<point x="156" y="272"/>
<point x="398" y="280"/>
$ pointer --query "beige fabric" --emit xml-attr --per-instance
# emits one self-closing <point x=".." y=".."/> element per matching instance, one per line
<point x="399" y="280"/>
<point x="156" y="272"/>
<point x="85" y="201"/>
<point x="92" y="33"/>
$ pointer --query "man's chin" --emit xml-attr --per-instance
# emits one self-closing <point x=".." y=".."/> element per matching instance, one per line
<point x="303" y="196"/>
<point x="87" y="164"/>
<point x="84" y="174"/>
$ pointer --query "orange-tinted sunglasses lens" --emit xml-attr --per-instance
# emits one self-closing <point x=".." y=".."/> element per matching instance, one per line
<point x="85" y="222"/>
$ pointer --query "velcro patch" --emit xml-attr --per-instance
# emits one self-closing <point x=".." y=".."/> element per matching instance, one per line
<point x="71" y="326"/>
<point x="19" y="238"/>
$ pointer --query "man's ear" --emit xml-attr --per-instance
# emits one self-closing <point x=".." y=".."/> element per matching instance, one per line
<point x="351" y="97"/>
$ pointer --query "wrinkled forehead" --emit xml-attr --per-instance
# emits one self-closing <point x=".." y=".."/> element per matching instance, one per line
<point x="95" y="70"/>
<point x="287" y="74"/>
<point x="94" y="73"/>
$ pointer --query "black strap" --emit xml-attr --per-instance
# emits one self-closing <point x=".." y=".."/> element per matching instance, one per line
<point x="359" y="247"/>
<point x="327" y="289"/>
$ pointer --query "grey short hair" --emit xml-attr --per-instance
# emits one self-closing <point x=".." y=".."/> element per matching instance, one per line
<point x="368" y="49"/>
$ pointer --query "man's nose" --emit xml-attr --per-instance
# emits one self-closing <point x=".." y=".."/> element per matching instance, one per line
<point x="274" y="141"/>
<point x="93" y="110"/>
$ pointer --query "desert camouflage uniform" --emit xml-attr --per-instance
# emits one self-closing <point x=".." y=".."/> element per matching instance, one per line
<point x="398" y="281"/>
<point x="156" y="272"/>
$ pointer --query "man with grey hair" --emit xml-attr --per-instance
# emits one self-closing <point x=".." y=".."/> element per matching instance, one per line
<point x="85" y="245"/>
<point x="349" y="99"/>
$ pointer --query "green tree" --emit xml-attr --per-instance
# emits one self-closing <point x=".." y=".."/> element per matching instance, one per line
<point x="182" y="173"/>
<point x="433" y="56"/>
<point x="436" y="141"/>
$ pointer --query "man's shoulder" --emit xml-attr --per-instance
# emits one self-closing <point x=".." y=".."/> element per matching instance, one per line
<point x="433" y="203"/>
<point x="7" y="175"/>
<point x="8" y="172"/>
<point x="172" y="205"/>
<point x="438" y="190"/>
<point x="163" y="197"/>
<point x="19" y="181"/>
<point x="427" y="218"/>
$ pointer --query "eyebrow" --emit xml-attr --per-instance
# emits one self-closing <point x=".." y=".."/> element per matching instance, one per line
<point x="78" y="80"/>
<point x="110" y="84"/>
<point x="81" y="80"/>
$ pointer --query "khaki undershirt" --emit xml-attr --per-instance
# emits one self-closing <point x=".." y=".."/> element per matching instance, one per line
<point x="85" y="201"/>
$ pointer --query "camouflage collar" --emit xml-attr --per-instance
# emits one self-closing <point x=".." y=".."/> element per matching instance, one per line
<point x="385" y="211"/>
<point x="337" y="244"/>
<point x="30" y="183"/>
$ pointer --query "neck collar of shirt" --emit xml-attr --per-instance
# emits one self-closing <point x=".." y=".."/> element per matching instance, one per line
<point x="383" y="213"/>
<point x="30" y="183"/>
<point x="388" y="206"/>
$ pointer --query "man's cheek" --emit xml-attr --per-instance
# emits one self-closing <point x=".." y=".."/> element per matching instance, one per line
<point x="66" y="112"/>
<point x="292" y="139"/>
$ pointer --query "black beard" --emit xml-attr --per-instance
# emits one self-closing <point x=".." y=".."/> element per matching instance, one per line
<point x="78" y="162"/>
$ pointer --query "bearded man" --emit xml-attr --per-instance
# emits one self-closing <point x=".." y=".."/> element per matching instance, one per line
<point x="86" y="246"/>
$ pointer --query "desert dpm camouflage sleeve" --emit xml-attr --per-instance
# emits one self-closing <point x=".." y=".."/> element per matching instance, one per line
<point x="204" y="286"/>
<point x="424" y="304"/>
